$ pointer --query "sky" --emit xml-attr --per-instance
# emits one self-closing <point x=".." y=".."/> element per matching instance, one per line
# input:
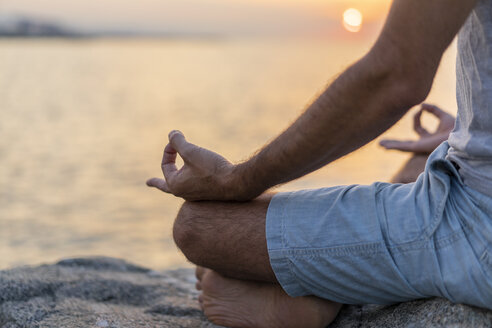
<point x="198" y="16"/>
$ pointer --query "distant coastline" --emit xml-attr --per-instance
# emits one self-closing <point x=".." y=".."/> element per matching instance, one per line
<point x="33" y="28"/>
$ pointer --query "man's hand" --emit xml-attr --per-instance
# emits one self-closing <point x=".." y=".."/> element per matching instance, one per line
<point x="428" y="141"/>
<point x="205" y="175"/>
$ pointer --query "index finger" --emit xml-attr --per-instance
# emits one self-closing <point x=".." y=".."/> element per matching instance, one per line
<point x="185" y="149"/>
<point x="178" y="142"/>
<point x="168" y="164"/>
<point x="417" y="124"/>
<point x="402" y="145"/>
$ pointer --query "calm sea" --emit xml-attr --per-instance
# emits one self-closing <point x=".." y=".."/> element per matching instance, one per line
<point x="83" y="125"/>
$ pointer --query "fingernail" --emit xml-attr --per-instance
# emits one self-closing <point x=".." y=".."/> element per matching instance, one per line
<point x="173" y="132"/>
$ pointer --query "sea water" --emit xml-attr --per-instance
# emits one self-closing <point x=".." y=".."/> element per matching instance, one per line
<point x="83" y="124"/>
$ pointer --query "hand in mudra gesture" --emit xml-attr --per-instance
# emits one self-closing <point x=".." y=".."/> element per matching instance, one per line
<point x="428" y="141"/>
<point x="205" y="175"/>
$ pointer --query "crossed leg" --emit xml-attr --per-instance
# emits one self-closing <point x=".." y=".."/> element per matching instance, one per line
<point x="228" y="244"/>
<point x="226" y="237"/>
<point x="239" y="288"/>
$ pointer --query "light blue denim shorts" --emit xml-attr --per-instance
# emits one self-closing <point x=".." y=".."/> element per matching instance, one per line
<point x="385" y="243"/>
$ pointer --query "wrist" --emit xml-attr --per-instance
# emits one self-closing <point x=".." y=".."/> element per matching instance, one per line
<point x="243" y="183"/>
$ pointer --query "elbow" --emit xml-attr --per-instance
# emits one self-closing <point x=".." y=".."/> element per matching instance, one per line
<point x="405" y="89"/>
<point x="411" y="90"/>
<point x="407" y="79"/>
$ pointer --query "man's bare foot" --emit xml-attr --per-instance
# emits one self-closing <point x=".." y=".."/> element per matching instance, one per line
<point x="243" y="304"/>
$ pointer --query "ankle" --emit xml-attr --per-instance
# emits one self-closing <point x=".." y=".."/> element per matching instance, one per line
<point x="327" y="310"/>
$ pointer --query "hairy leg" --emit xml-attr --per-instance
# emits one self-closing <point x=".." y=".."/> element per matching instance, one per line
<point x="228" y="237"/>
<point x="410" y="171"/>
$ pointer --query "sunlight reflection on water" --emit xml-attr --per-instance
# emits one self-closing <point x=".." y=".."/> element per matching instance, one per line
<point x="82" y="125"/>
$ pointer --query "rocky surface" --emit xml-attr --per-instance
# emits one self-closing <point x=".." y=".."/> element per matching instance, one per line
<point x="106" y="292"/>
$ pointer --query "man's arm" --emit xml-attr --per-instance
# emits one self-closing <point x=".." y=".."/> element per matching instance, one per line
<point x="363" y="102"/>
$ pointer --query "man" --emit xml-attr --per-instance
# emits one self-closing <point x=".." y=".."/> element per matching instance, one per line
<point x="289" y="260"/>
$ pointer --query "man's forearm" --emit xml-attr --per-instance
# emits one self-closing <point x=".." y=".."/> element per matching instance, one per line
<point x="366" y="99"/>
<point x="361" y="104"/>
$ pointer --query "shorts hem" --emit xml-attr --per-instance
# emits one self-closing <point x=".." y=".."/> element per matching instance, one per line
<point x="280" y="264"/>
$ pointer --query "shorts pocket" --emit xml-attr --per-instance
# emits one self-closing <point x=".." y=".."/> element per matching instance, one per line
<point x="406" y="219"/>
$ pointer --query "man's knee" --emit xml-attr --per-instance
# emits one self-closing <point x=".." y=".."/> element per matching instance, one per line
<point x="226" y="237"/>
<point x="187" y="232"/>
<point x="182" y="229"/>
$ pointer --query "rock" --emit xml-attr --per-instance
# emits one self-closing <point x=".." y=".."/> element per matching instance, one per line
<point x="106" y="292"/>
<point x="434" y="312"/>
<point x="98" y="292"/>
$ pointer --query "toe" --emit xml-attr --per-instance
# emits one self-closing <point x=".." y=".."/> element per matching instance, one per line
<point x="200" y="301"/>
<point x="199" y="272"/>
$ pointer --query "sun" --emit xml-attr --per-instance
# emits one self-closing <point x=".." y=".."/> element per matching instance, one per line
<point x="352" y="20"/>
